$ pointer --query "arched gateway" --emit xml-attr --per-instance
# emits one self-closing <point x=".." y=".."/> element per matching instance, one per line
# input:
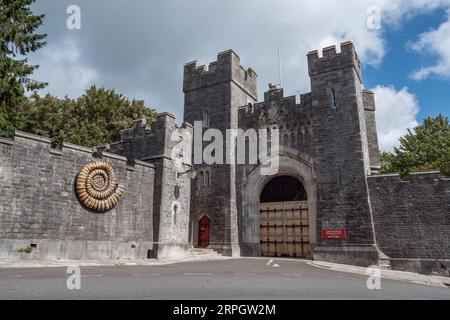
<point x="295" y="182"/>
<point x="284" y="223"/>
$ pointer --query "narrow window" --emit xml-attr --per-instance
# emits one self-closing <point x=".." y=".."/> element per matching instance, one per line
<point x="202" y="180"/>
<point x="175" y="212"/>
<point x="293" y="140"/>
<point x="205" y="120"/>
<point x="340" y="175"/>
<point x="207" y="179"/>
<point x="333" y="98"/>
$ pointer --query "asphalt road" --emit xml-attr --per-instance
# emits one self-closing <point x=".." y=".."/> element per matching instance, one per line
<point x="227" y="279"/>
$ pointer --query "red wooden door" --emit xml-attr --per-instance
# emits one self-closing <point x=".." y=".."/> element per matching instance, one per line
<point x="204" y="226"/>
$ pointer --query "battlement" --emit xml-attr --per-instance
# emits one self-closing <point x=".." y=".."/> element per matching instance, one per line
<point x="226" y="68"/>
<point x="34" y="142"/>
<point x="289" y="103"/>
<point x="148" y="142"/>
<point x="332" y="61"/>
<point x="141" y="128"/>
<point x="415" y="177"/>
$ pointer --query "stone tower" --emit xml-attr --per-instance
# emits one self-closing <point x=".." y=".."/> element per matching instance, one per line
<point x="171" y="201"/>
<point x="342" y="156"/>
<point x="213" y="97"/>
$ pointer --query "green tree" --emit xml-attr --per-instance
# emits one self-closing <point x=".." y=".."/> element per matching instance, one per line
<point x="93" y="119"/>
<point x="47" y="116"/>
<point x="426" y="147"/>
<point x="17" y="39"/>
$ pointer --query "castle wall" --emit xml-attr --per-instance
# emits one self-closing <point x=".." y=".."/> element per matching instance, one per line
<point x="38" y="204"/>
<point x="412" y="220"/>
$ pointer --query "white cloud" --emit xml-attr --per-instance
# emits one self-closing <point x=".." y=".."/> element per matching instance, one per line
<point x="436" y="42"/>
<point x="139" y="47"/>
<point x="396" y="11"/>
<point x="62" y="66"/>
<point x="396" y="112"/>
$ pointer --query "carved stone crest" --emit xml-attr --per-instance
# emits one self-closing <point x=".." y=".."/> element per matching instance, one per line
<point x="274" y="114"/>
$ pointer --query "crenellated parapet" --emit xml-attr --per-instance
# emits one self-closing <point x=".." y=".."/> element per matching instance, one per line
<point x="428" y="177"/>
<point x="148" y="142"/>
<point x="275" y="98"/>
<point x="225" y="69"/>
<point x="332" y="61"/>
<point x="31" y="143"/>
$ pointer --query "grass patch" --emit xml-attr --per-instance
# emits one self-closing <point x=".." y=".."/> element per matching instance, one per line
<point x="26" y="250"/>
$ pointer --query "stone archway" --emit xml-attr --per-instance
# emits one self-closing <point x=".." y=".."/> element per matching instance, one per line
<point x="291" y="163"/>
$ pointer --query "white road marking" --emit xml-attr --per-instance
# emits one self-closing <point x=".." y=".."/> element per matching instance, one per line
<point x="196" y="274"/>
<point x="291" y="274"/>
<point x="92" y="275"/>
<point x="145" y="274"/>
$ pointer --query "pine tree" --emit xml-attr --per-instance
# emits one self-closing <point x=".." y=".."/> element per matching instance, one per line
<point x="17" y="39"/>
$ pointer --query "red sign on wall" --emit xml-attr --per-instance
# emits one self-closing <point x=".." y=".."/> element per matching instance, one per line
<point x="334" y="234"/>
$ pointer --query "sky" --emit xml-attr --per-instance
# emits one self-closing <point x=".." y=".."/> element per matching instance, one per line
<point x="139" y="47"/>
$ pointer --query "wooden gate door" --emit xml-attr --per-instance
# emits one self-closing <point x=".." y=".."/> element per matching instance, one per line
<point x="285" y="229"/>
<point x="204" y="226"/>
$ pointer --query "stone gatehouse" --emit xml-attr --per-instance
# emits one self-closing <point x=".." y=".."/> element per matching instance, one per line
<point x="327" y="201"/>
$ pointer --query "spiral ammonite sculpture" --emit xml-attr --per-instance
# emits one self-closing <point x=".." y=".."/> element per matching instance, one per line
<point x="97" y="188"/>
